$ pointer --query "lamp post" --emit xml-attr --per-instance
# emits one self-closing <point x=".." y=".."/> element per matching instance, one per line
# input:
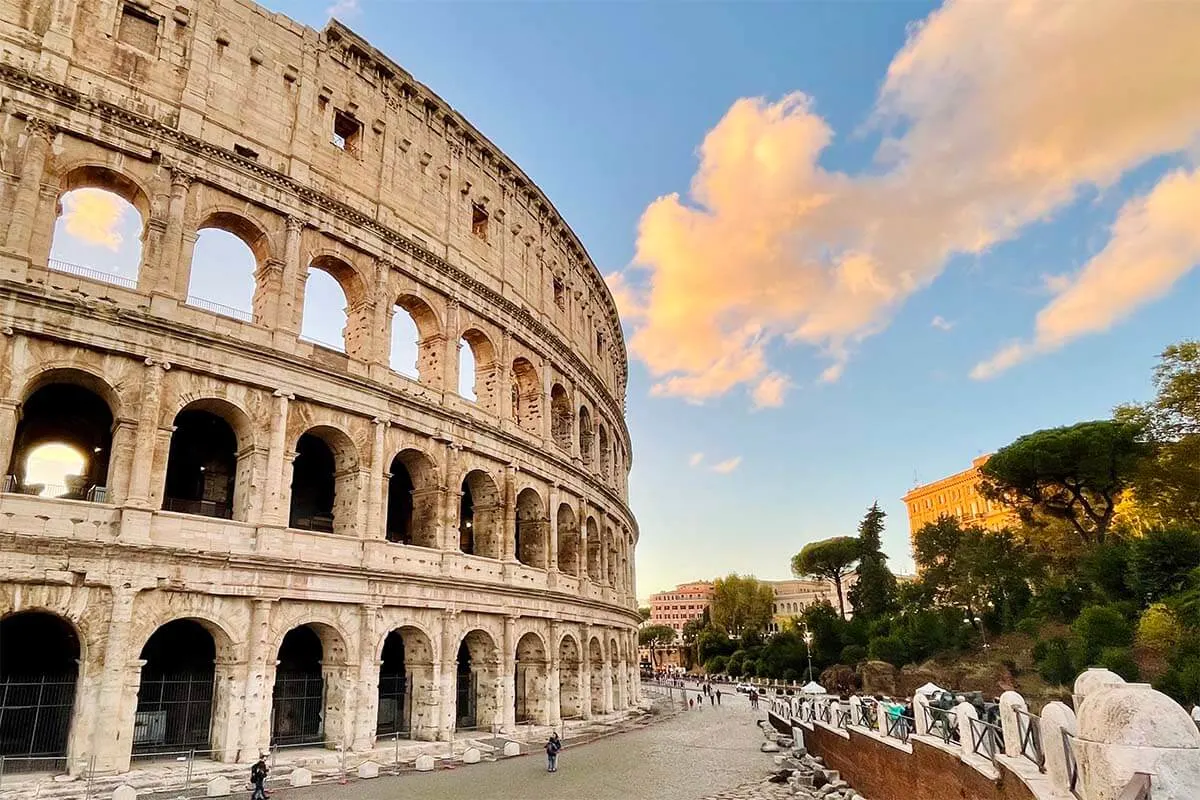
<point x="808" y="649"/>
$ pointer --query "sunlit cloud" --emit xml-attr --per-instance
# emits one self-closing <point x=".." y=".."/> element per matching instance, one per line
<point x="770" y="391"/>
<point x="994" y="116"/>
<point x="727" y="466"/>
<point x="344" y="8"/>
<point x="93" y="217"/>
<point x="941" y="323"/>
<point x="695" y="460"/>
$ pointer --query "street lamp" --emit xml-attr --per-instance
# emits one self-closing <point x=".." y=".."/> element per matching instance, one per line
<point x="808" y="649"/>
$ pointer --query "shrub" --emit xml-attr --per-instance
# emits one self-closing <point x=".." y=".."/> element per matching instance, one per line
<point x="1158" y="630"/>
<point x="1097" y="628"/>
<point x="1054" y="662"/>
<point x="853" y="654"/>
<point x="790" y="675"/>
<point x="716" y="665"/>
<point x="734" y="665"/>
<point x="1120" y="660"/>
<point x="890" y="649"/>
<point x="1181" y="682"/>
<point x="1159" y="562"/>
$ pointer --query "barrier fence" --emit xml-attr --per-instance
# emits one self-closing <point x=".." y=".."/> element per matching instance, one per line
<point x="1030" y="735"/>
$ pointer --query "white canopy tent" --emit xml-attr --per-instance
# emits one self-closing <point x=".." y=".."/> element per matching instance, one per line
<point x="812" y="687"/>
<point x="929" y="689"/>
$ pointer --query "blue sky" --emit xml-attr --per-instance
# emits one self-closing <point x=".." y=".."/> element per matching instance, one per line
<point x="967" y="176"/>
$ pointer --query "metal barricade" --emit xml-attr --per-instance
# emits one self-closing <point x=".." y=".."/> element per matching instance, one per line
<point x="900" y="726"/>
<point x="942" y="723"/>
<point x="1072" y="764"/>
<point x="870" y="713"/>
<point x="986" y="739"/>
<point x="1030" y="735"/>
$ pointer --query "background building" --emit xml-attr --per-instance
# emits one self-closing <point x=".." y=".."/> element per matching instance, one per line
<point x="795" y="595"/>
<point x="676" y="607"/>
<point x="957" y="496"/>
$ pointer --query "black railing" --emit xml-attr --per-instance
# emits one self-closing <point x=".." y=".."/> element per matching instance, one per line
<point x="59" y="265"/>
<point x="942" y="723"/>
<point x="824" y="714"/>
<point x="843" y="718"/>
<point x="870" y="714"/>
<point x="35" y="720"/>
<point x="986" y="739"/>
<point x="900" y="726"/>
<point x="203" y="508"/>
<point x="1030" y="734"/>
<point x="1072" y="764"/>
<point x="174" y="713"/>
<point x="1138" y="788"/>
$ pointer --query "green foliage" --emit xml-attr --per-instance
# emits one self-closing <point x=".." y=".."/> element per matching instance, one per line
<point x="785" y="651"/>
<point x="891" y="649"/>
<point x="644" y="612"/>
<point x="1098" y="628"/>
<point x="830" y="559"/>
<point x="659" y="635"/>
<point x="741" y="603"/>
<point x="716" y="665"/>
<point x="1182" y="681"/>
<point x="1054" y="662"/>
<point x="1074" y="473"/>
<point x="1159" y="563"/>
<point x="713" y="642"/>
<point x="734" y="665"/>
<point x="874" y="593"/>
<point x="826" y="627"/>
<point x="1119" y="660"/>
<point x="1104" y="568"/>
<point x="1158" y="630"/>
<point x="853" y="654"/>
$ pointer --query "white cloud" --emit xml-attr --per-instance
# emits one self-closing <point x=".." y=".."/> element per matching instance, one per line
<point x="344" y="8"/>
<point x="695" y="460"/>
<point x="769" y="392"/>
<point x="93" y="216"/>
<point x="994" y="115"/>
<point x="941" y="323"/>
<point x="1154" y="241"/>
<point x="727" y="466"/>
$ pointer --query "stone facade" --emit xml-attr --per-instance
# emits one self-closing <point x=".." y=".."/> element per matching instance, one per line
<point x="956" y="496"/>
<point x="320" y="154"/>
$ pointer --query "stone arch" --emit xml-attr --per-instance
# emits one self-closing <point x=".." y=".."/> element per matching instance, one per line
<point x="531" y="675"/>
<point x="481" y="377"/>
<point x="324" y="493"/>
<point x="477" y="678"/>
<point x="532" y="534"/>
<point x="604" y="446"/>
<point x="570" y="678"/>
<point x="594" y="566"/>
<point x="240" y="293"/>
<point x="526" y="395"/>
<point x="422" y="358"/>
<point x="616" y="674"/>
<point x="413" y="497"/>
<point x="407" y="693"/>
<point x="568" y="540"/>
<point x="613" y="560"/>
<point x="562" y="418"/>
<point x="210" y="462"/>
<point x="312" y="688"/>
<point x="111" y="180"/>
<point x="39" y="668"/>
<point x="355" y="336"/>
<point x="596" y="675"/>
<point x="480" y="515"/>
<point x="586" y="435"/>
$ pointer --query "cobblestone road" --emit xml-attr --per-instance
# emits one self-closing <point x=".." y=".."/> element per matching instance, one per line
<point x="693" y="755"/>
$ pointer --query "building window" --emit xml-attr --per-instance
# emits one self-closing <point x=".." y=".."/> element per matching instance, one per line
<point x="479" y="221"/>
<point x="347" y="132"/>
<point x="138" y="29"/>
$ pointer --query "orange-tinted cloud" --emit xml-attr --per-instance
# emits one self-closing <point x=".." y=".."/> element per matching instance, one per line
<point x="93" y="216"/>
<point x="770" y="391"/>
<point x="727" y="466"/>
<point x="1004" y="112"/>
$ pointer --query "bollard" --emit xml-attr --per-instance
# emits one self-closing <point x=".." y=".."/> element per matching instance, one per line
<point x="397" y="745"/>
<point x="342" y="750"/>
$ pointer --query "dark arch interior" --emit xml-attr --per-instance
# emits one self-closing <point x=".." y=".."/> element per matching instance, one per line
<point x="395" y="698"/>
<point x="466" y="520"/>
<point x="202" y="465"/>
<point x="313" y="485"/>
<point x="400" y="504"/>
<point x="467" y="690"/>
<point x="71" y="415"/>
<point x="175" y="696"/>
<point x="298" y="707"/>
<point x="39" y="655"/>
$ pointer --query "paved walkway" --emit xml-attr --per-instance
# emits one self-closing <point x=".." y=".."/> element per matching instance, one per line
<point x="690" y="756"/>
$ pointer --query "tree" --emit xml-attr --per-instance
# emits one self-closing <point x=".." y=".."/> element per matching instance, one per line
<point x="1074" y="473"/>
<point x="654" y="637"/>
<point x="741" y="603"/>
<point x="831" y="559"/>
<point x="644" y="611"/>
<point x="873" y="594"/>
<point x="1160" y="562"/>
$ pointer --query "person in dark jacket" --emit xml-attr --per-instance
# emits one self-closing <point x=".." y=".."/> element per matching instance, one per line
<point x="258" y="777"/>
<point x="553" y="745"/>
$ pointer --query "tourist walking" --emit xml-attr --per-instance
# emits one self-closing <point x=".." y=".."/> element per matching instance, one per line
<point x="553" y="745"/>
<point x="258" y="777"/>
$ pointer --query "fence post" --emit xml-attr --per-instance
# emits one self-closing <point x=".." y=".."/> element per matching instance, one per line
<point x="187" y="780"/>
<point x="342" y="750"/>
<point x="397" y="746"/>
<point x="91" y="771"/>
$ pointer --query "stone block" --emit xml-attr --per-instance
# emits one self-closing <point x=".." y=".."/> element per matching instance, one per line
<point x="217" y="787"/>
<point x="300" y="777"/>
<point x="368" y="769"/>
<point x="512" y="749"/>
<point x="471" y="756"/>
<point x="124" y="792"/>
<point x="769" y="747"/>
<point x="425" y="763"/>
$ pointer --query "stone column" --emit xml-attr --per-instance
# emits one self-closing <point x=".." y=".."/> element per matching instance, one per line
<point x="170" y="275"/>
<point x="453" y="345"/>
<point x="581" y="561"/>
<point x="10" y="406"/>
<point x="38" y="136"/>
<point x="552" y="557"/>
<point x="606" y="674"/>
<point x="448" y="663"/>
<point x="508" y="532"/>
<point x="508" y="673"/>
<point x="504" y="408"/>
<point x="257" y="689"/>
<point x="291" y="304"/>
<point x="116" y="700"/>
<point x="451" y="499"/>
<point x="226" y="714"/>
<point x="268" y="292"/>
<point x="277" y="493"/>
<point x="554" y="679"/>
<point x="585" y="669"/>
<point x="366" y="712"/>
<point x="375" y="478"/>
<point x="147" y="430"/>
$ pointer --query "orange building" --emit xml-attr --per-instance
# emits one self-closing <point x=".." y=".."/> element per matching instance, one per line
<point x="956" y="496"/>
<point x="675" y="607"/>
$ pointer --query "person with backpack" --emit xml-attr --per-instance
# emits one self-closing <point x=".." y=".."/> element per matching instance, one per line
<point x="258" y="777"/>
<point x="553" y="745"/>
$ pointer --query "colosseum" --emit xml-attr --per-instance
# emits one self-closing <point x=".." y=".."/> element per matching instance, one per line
<point x="257" y="538"/>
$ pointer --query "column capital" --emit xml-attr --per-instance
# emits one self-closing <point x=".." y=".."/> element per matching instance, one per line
<point x="157" y="362"/>
<point x="181" y="178"/>
<point x="294" y="224"/>
<point x="381" y="421"/>
<point x="284" y="393"/>
<point x="42" y="129"/>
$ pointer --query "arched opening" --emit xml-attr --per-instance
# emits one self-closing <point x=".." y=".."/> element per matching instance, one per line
<point x="323" y="482"/>
<point x="402" y="355"/>
<point x="324" y="319"/>
<point x="221" y="277"/>
<point x="585" y="435"/>
<point x="412" y="501"/>
<point x="416" y="342"/>
<point x="100" y="228"/>
<point x="39" y="665"/>
<point x="613" y="559"/>
<point x="605" y="451"/>
<point x="526" y="395"/>
<point x="593" y="550"/>
<point x="479" y="515"/>
<point x="568" y="540"/>
<point x="175" y="695"/>
<point x="475" y="681"/>
<point x="298" y="703"/>
<point x="533" y="530"/>
<point x="562" y="419"/>
<point x="596" y="676"/>
<point x="202" y="467"/>
<point x="570" y="679"/>
<point x="529" y="680"/>
<point x="400" y="503"/>
<point x="405" y="684"/>
<point x="616" y="675"/>
<point x="63" y="441"/>
<point x="477" y="369"/>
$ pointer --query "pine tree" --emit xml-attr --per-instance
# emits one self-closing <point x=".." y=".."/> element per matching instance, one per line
<point x="873" y="594"/>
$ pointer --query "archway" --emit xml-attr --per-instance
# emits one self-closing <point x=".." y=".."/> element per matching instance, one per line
<point x="570" y="679"/>
<point x="65" y="410"/>
<point x="605" y="451"/>
<point x="412" y="500"/>
<point x="531" y="671"/>
<point x="526" y="395"/>
<point x="39" y="665"/>
<point x="405" y="680"/>
<point x="613" y="561"/>
<point x="416" y="342"/>
<point x="202" y="466"/>
<point x="228" y="254"/>
<point x="616" y="675"/>
<point x="568" y="540"/>
<point x="324" y="487"/>
<point x="596" y="675"/>
<point x="562" y="418"/>
<point x="176" y="692"/>
<point x="478" y="518"/>
<point x="100" y="228"/>
<point x="298" y="702"/>
<point x="585" y="435"/>
<point x="477" y="368"/>
<point x="532" y="530"/>
<point x="476" y="674"/>
<point x="594" y="571"/>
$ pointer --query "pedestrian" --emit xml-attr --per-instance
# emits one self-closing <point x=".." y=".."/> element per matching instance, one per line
<point x="712" y="701"/>
<point x="258" y="777"/>
<point x="718" y="697"/>
<point x="689" y="704"/>
<point x="553" y="745"/>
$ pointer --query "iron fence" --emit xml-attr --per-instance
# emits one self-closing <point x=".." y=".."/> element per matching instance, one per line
<point x="1072" y="764"/>
<point x="870" y="713"/>
<point x="337" y="348"/>
<point x="35" y="721"/>
<point x="900" y="726"/>
<point x="824" y="712"/>
<point x="986" y="739"/>
<point x="942" y="723"/>
<point x="1030" y="735"/>
<point x="220" y="308"/>
<point x="843" y="718"/>
<point x="79" y="271"/>
<point x="296" y="714"/>
<point x="203" y="508"/>
<point x="174" y="714"/>
<point x="23" y="765"/>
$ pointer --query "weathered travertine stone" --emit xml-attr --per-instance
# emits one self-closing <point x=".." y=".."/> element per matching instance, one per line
<point x="425" y="763"/>
<point x="471" y="755"/>
<point x="368" y="769"/>
<point x="300" y="776"/>
<point x="217" y="787"/>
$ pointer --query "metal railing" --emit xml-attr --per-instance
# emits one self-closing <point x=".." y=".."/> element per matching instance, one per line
<point x="79" y="271"/>
<point x="337" y="348"/>
<point x="870" y="713"/>
<point x="900" y="726"/>
<point x="842" y="718"/>
<point x="202" y="508"/>
<point x="220" y="308"/>
<point x="942" y="723"/>
<point x="1138" y="788"/>
<point x="19" y="765"/>
<point x="986" y="739"/>
<point x="92" y="494"/>
<point x="1072" y="764"/>
<point x="1030" y="735"/>
<point x="824" y="714"/>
